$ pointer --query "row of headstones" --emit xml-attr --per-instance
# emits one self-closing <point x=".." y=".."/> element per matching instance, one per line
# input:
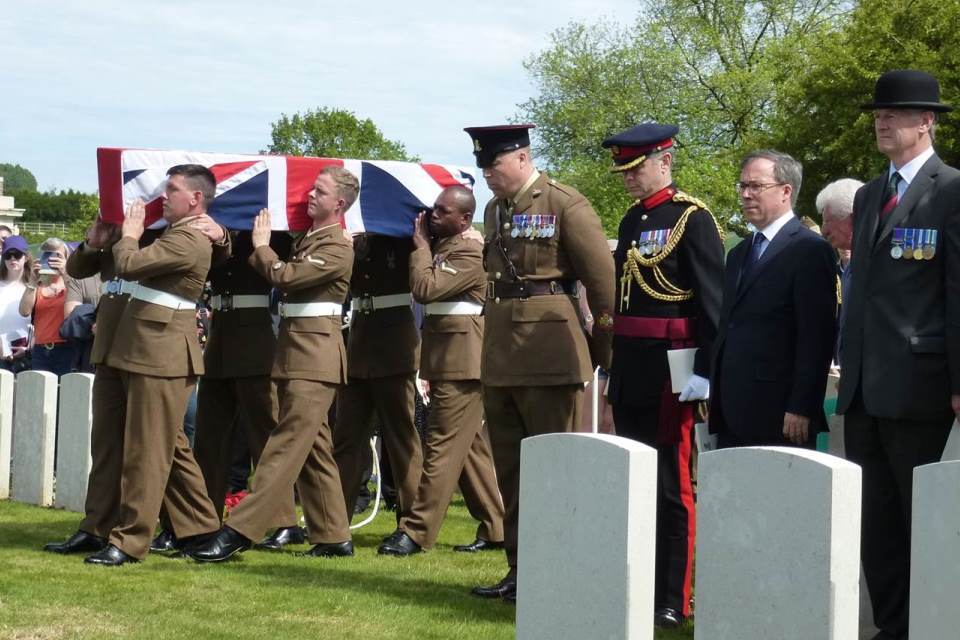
<point x="32" y="428"/>
<point x="778" y="543"/>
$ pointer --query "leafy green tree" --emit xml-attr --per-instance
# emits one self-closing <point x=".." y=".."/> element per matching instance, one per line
<point x="713" y="67"/>
<point x="61" y="206"/>
<point x="17" y="178"/>
<point x="333" y="133"/>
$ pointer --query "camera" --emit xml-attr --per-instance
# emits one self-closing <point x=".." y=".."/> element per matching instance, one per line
<point x="45" y="268"/>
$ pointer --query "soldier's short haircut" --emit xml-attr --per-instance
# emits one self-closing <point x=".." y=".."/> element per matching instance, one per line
<point x="786" y="169"/>
<point x="199" y="178"/>
<point x="464" y="198"/>
<point x="348" y="187"/>
<point x="838" y="195"/>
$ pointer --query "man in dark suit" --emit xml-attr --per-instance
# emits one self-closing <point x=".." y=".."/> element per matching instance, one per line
<point x="776" y="330"/>
<point x="900" y="387"/>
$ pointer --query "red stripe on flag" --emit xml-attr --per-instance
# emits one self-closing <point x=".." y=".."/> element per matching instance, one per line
<point x="227" y="170"/>
<point x="442" y="177"/>
<point x="301" y="174"/>
<point x="154" y="211"/>
<point x="110" y="176"/>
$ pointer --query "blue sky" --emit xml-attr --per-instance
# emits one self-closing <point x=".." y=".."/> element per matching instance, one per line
<point x="211" y="75"/>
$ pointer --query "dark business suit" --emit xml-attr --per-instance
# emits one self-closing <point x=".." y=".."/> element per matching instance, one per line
<point x="776" y="339"/>
<point x="901" y="363"/>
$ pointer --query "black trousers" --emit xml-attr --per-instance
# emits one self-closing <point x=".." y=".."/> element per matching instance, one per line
<point x="887" y="451"/>
<point x="676" y="513"/>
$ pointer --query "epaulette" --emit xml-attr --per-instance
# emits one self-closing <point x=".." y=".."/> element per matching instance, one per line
<point x="562" y="188"/>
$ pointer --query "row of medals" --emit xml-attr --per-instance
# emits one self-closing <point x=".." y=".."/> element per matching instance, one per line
<point x="652" y="242"/>
<point x="913" y="244"/>
<point x="541" y="226"/>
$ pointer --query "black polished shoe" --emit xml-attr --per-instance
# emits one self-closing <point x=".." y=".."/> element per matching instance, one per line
<point x="110" y="556"/>
<point x="80" y="542"/>
<point x="281" y="538"/>
<point x="331" y="550"/>
<point x="165" y="542"/>
<point x="401" y="545"/>
<point x="667" y="618"/>
<point x="506" y="588"/>
<point x="478" y="545"/>
<point x="221" y="546"/>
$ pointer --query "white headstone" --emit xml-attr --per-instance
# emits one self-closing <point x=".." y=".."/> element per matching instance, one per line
<point x="73" y="427"/>
<point x="587" y="524"/>
<point x="935" y="551"/>
<point x="778" y="545"/>
<point x="33" y="440"/>
<point x="6" y="431"/>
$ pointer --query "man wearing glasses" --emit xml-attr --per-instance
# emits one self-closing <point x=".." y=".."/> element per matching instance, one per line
<point x="775" y="341"/>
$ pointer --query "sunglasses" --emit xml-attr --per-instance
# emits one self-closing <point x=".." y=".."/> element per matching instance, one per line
<point x="13" y="255"/>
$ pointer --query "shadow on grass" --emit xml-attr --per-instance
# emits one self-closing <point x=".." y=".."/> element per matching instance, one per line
<point x="31" y="536"/>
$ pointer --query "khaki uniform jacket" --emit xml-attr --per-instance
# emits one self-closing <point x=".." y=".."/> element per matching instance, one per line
<point x="453" y="272"/>
<point x="385" y="342"/>
<point x="318" y="271"/>
<point x="540" y="340"/>
<point x="152" y="339"/>
<point x="241" y="342"/>
<point x="84" y="263"/>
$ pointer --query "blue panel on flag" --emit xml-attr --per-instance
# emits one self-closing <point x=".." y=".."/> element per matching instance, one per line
<point x="130" y="175"/>
<point x="387" y="206"/>
<point x="236" y="208"/>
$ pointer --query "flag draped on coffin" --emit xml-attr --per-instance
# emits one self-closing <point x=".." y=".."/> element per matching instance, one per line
<point x="391" y="193"/>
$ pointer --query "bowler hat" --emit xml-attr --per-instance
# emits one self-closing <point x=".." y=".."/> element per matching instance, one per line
<point x="907" y="89"/>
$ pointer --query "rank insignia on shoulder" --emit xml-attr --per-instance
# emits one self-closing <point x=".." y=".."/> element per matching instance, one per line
<point x="605" y="321"/>
<point x="320" y="262"/>
<point x="277" y="265"/>
<point x="446" y="268"/>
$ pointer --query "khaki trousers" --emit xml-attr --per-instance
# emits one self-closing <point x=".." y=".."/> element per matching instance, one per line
<point x="102" y="506"/>
<point x="363" y="405"/>
<point x="454" y="435"/>
<point x="158" y="466"/>
<point x="514" y="413"/>
<point x="301" y="440"/>
<point x="223" y="406"/>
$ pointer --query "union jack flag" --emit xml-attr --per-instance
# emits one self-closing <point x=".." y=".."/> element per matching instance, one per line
<point x="391" y="193"/>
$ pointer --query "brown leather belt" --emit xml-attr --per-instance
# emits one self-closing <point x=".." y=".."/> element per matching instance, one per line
<point x="527" y="288"/>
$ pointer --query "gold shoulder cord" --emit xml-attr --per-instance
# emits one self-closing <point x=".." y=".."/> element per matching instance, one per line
<point x="839" y="289"/>
<point x="635" y="260"/>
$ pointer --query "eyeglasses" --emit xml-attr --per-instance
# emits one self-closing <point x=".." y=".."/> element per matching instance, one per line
<point x="13" y="255"/>
<point x="755" y="188"/>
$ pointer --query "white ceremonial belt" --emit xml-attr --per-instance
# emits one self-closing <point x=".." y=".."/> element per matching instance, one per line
<point x="462" y="308"/>
<point x="118" y="286"/>
<point x="228" y="302"/>
<point x="309" y="309"/>
<point x="162" y="298"/>
<point x="372" y="303"/>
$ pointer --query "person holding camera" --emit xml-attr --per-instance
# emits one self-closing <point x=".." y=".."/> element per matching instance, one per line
<point x="43" y="301"/>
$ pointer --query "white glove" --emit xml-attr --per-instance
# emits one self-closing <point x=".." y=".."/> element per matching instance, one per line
<point x="697" y="388"/>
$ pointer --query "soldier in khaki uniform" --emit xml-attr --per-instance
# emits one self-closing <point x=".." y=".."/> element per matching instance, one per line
<point x="383" y="351"/>
<point x="448" y="278"/>
<point x="541" y="237"/>
<point x="308" y="368"/>
<point x="156" y="357"/>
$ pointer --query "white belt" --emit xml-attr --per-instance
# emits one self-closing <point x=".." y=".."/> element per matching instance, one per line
<point x="309" y="309"/>
<point x="162" y="298"/>
<point x="463" y="308"/>
<point x="372" y="303"/>
<point x="118" y="286"/>
<point x="228" y="302"/>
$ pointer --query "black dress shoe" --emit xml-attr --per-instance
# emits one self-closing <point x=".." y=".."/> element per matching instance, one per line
<point x="478" y="545"/>
<point x="667" y="618"/>
<point x="110" y="556"/>
<point x="223" y="545"/>
<point x="80" y="542"/>
<point x="281" y="538"/>
<point x="401" y="545"/>
<point x="331" y="550"/>
<point x="506" y="588"/>
<point x="165" y="542"/>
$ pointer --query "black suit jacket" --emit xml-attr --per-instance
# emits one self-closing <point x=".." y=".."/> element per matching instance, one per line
<point x="901" y="335"/>
<point x="776" y="337"/>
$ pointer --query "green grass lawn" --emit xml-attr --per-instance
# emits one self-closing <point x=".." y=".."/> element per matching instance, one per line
<point x="260" y="595"/>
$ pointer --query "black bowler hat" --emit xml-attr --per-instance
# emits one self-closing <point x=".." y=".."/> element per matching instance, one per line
<point x="631" y="147"/>
<point x="907" y="89"/>
<point x="488" y="142"/>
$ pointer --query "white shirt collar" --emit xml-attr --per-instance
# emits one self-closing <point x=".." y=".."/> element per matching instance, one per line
<point x="771" y="229"/>
<point x="909" y="171"/>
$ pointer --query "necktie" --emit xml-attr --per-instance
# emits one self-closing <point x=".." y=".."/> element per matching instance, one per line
<point x="756" y="249"/>
<point x="890" y="197"/>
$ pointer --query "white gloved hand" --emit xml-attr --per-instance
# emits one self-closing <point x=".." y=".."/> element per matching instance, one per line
<point x="697" y="388"/>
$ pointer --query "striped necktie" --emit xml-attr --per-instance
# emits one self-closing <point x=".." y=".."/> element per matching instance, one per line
<point x="890" y="197"/>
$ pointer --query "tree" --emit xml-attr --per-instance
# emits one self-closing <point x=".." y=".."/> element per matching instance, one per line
<point x="713" y="67"/>
<point x="17" y="178"/>
<point x="62" y="206"/>
<point x="333" y="133"/>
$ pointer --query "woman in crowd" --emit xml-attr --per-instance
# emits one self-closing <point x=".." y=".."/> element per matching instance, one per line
<point x="43" y="300"/>
<point x="14" y="328"/>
